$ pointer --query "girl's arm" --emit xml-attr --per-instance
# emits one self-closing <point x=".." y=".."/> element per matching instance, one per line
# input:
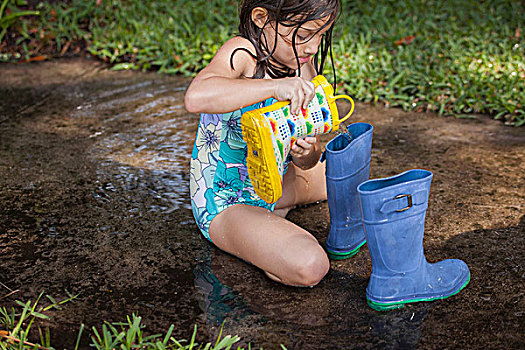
<point x="219" y="89"/>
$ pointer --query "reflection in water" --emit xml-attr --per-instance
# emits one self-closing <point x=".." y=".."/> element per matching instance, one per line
<point x="399" y="330"/>
<point x="218" y="301"/>
<point x="332" y="315"/>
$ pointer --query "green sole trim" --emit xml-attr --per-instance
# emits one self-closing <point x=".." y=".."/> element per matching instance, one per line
<point x="391" y="306"/>
<point x="345" y="255"/>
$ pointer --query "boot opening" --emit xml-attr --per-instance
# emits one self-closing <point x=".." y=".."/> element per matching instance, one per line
<point x="411" y="175"/>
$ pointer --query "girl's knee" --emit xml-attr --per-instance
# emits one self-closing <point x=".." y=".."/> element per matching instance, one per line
<point x="313" y="267"/>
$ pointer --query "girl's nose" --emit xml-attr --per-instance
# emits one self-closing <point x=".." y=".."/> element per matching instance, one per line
<point x="312" y="46"/>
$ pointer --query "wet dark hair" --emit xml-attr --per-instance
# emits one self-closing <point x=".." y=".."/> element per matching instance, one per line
<point x="288" y="13"/>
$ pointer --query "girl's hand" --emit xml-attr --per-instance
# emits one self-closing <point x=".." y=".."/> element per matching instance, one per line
<point x="297" y="90"/>
<point x="303" y="148"/>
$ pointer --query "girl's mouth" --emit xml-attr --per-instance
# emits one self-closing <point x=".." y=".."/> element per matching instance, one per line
<point x="304" y="59"/>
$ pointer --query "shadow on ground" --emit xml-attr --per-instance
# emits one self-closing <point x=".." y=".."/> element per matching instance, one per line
<point x="94" y="200"/>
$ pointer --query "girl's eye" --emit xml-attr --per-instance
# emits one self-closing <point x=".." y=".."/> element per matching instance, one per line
<point x="302" y="38"/>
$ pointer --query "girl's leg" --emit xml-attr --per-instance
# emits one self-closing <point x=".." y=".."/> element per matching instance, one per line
<point x="301" y="187"/>
<point x="286" y="252"/>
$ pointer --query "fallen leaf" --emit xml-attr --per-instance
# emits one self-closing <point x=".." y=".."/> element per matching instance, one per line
<point x="406" y="40"/>
<point x="36" y="59"/>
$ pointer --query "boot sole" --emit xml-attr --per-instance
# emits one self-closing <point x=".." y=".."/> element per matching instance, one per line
<point x="341" y="256"/>
<point x="397" y="305"/>
<point x="261" y="163"/>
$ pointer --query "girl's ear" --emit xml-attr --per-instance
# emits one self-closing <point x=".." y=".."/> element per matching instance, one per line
<point x="259" y="16"/>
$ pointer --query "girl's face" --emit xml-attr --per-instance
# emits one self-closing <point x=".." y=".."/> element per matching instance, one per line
<point x="307" y="41"/>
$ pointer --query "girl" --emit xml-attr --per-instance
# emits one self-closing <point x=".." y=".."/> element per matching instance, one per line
<point x="282" y="45"/>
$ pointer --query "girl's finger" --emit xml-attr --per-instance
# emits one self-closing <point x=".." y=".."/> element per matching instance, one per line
<point x="310" y="139"/>
<point x="296" y="148"/>
<point x="299" y="143"/>
<point x="309" y="93"/>
<point x="303" y="144"/>
<point x="299" y="98"/>
<point x="294" y="102"/>
<point x="306" y="97"/>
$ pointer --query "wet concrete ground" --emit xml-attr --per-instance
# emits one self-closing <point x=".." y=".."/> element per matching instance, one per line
<point x="94" y="200"/>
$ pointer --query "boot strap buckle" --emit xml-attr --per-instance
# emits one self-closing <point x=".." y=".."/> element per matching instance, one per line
<point x="409" y="200"/>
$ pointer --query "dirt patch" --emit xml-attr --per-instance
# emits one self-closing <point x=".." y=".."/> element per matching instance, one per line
<point x="91" y="201"/>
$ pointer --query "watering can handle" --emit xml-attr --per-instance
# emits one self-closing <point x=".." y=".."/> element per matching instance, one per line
<point x="351" y="109"/>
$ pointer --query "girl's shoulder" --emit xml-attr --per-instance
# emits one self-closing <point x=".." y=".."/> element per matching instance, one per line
<point x="238" y="52"/>
<point x="240" y="41"/>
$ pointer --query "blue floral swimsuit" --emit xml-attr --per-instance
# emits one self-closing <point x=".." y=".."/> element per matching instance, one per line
<point x="218" y="175"/>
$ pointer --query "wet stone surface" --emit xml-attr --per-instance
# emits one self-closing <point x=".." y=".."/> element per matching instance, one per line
<point x="94" y="185"/>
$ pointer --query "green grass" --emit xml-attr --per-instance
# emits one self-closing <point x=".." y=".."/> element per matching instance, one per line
<point x="7" y="19"/>
<point x="129" y="335"/>
<point x="147" y="34"/>
<point x="15" y="328"/>
<point x="457" y="57"/>
<point x="466" y="56"/>
<point x="20" y="330"/>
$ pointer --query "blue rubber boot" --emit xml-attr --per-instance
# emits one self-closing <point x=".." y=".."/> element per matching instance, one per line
<point x="394" y="211"/>
<point x="347" y="165"/>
